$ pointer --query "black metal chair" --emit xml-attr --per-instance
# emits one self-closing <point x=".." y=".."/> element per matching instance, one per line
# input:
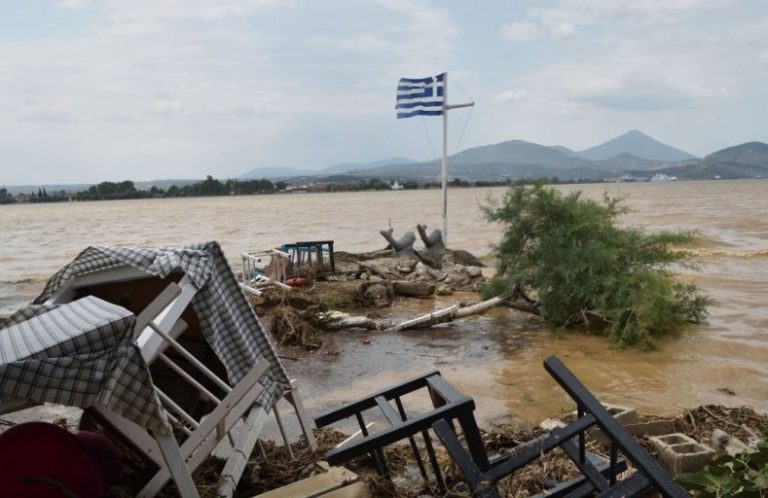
<point x="447" y="403"/>
<point x="599" y="479"/>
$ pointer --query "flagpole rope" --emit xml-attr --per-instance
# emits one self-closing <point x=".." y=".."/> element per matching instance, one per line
<point x="453" y="80"/>
<point x="466" y="122"/>
<point x="429" y="137"/>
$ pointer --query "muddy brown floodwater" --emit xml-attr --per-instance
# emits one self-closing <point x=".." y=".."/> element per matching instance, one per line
<point x="496" y="357"/>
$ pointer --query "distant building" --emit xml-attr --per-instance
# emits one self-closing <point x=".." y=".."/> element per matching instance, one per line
<point x="661" y="177"/>
<point x="396" y="186"/>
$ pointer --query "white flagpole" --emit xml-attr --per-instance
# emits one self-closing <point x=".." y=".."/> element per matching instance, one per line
<point x="445" y="160"/>
<point x="446" y="108"/>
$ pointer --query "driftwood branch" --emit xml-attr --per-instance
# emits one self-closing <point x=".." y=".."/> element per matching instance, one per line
<point x="334" y="320"/>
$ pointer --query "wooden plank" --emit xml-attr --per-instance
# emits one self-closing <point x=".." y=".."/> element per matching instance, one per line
<point x="241" y="452"/>
<point x="175" y="465"/>
<point x="152" y="343"/>
<point x="337" y="478"/>
<point x="294" y="398"/>
<point x="354" y="490"/>
<point x="157" y="305"/>
<point x="200" y="444"/>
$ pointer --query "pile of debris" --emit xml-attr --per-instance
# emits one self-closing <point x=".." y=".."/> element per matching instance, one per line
<point x="275" y="468"/>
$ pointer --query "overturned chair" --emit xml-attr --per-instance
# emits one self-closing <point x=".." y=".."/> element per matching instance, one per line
<point x="84" y="354"/>
<point x="597" y="476"/>
<point x="596" y="479"/>
<point x="209" y="357"/>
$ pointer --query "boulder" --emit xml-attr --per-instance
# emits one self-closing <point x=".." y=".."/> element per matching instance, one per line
<point x="413" y="289"/>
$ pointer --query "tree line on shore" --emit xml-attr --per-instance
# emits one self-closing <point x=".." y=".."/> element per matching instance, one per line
<point x="214" y="187"/>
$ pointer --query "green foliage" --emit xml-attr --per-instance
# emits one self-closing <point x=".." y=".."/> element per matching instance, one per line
<point x="569" y="255"/>
<point x="742" y="476"/>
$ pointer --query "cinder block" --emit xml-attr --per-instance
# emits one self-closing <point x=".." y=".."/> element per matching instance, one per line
<point x="625" y="415"/>
<point x="679" y="453"/>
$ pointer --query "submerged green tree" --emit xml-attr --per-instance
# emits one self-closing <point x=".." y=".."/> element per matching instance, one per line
<point x="565" y="258"/>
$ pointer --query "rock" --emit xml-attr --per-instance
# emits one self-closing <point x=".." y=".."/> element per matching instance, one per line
<point x="444" y="290"/>
<point x="375" y="278"/>
<point x="474" y="271"/>
<point x="431" y="259"/>
<point x="551" y="424"/>
<point x="421" y="269"/>
<point x="466" y="258"/>
<point x="413" y="289"/>
<point x="405" y="265"/>
<point x="377" y="294"/>
<point x="723" y="442"/>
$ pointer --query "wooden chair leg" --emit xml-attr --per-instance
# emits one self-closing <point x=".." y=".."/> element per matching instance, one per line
<point x="294" y="398"/>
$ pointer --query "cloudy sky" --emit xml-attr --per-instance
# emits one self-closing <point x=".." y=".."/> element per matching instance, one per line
<point x="94" y="90"/>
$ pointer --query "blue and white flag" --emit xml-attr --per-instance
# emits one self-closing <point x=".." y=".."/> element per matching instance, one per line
<point x="421" y="96"/>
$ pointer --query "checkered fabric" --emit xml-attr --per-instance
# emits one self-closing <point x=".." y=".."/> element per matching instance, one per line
<point x="80" y="354"/>
<point x="24" y="314"/>
<point x="227" y="320"/>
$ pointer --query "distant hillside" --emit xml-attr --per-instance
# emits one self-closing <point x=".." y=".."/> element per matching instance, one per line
<point x="625" y="162"/>
<point x="518" y="152"/>
<point x="749" y="160"/>
<point x="276" y="172"/>
<point x="754" y="153"/>
<point x="342" y="167"/>
<point x="565" y="150"/>
<point x="505" y="160"/>
<point x="635" y="153"/>
<point x="637" y="144"/>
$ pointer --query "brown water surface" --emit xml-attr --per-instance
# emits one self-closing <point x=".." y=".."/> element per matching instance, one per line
<point x="496" y="357"/>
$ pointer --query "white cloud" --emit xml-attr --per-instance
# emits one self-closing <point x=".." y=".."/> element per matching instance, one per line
<point x="520" y="31"/>
<point x="515" y="96"/>
<point x="165" y="106"/>
<point x="563" y="30"/>
<point x="71" y="4"/>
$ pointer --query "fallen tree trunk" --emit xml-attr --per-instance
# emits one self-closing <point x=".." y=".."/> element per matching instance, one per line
<point x="334" y="320"/>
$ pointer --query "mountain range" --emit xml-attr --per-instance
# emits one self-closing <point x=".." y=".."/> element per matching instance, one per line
<point x="632" y="154"/>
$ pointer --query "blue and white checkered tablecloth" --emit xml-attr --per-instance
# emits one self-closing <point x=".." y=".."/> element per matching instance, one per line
<point x="80" y="354"/>
<point x="227" y="320"/>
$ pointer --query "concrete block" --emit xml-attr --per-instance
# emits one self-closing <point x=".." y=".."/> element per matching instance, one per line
<point x="679" y="453"/>
<point x="625" y="415"/>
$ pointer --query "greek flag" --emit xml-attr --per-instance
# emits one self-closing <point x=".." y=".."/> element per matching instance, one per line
<point x="421" y="96"/>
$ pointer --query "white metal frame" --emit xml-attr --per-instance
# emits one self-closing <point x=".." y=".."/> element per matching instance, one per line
<point x="158" y="326"/>
<point x="252" y="278"/>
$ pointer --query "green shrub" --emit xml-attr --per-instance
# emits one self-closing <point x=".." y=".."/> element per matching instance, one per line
<point x="740" y="476"/>
<point x="565" y="257"/>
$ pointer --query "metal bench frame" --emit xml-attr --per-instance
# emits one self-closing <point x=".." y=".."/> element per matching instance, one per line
<point x="649" y="475"/>
<point x="447" y="404"/>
